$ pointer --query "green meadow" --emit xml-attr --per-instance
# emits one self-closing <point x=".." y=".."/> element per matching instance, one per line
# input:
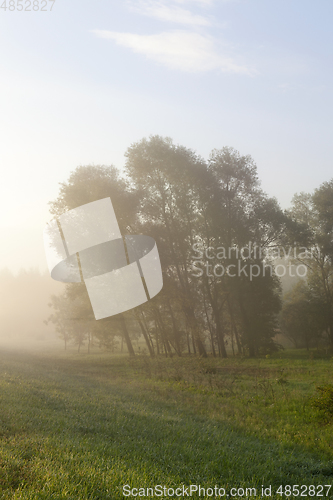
<point x="77" y="426"/>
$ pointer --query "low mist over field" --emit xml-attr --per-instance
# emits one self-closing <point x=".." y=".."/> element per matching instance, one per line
<point x="25" y="298"/>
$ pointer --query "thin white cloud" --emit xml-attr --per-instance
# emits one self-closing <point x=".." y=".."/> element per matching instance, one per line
<point x="204" y="3"/>
<point x="165" y="11"/>
<point x="180" y="50"/>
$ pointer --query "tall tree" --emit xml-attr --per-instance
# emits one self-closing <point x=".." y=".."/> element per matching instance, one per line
<point x="166" y="176"/>
<point x="87" y="184"/>
<point x="239" y="216"/>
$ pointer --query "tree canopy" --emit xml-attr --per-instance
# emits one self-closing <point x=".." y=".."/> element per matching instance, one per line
<point x="202" y="214"/>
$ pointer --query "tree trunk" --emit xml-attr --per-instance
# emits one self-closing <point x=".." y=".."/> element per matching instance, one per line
<point x="210" y="328"/>
<point x="189" y="312"/>
<point x="126" y="335"/>
<point x="156" y="339"/>
<point x="175" y="331"/>
<point x="145" y="335"/>
<point x="147" y="330"/>
<point x="219" y="328"/>
<point x="163" y="332"/>
<point x="247" y="329"/>
<point x="193" y="343"/>
<point x="188" y="341"/>
<point x="201" y="348"/>
<point x="239" y="347"/>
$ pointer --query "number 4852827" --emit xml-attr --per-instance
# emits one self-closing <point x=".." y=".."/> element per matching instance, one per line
<point x="320" y="490"/>
<point x="27" y="5"/>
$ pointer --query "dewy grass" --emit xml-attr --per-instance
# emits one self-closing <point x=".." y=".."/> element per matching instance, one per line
<point x="82" y="427"/>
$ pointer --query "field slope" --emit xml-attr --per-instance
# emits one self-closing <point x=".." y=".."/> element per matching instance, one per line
<point x="81" y="427"/>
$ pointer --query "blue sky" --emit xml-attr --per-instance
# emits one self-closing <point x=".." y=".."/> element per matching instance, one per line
<point x="82" y="82"/>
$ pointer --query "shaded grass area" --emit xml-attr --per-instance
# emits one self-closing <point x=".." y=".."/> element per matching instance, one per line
<point x="81" y="427"/>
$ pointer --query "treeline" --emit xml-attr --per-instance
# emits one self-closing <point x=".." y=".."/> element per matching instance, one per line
<point x="307" y="313"/>
<point x="214" y="228"/>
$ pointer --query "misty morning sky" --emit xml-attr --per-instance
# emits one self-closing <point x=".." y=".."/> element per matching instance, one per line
<point x="79" y="84"/>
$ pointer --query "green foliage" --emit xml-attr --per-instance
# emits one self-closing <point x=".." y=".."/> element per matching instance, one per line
<point x="324" y="402"/>
<point x="303" y="316"/>
<point x="312" y="215"/>
<point x="180" y="199"/>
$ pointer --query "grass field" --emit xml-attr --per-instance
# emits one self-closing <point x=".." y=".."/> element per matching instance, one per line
<point x="82" y="426"/>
